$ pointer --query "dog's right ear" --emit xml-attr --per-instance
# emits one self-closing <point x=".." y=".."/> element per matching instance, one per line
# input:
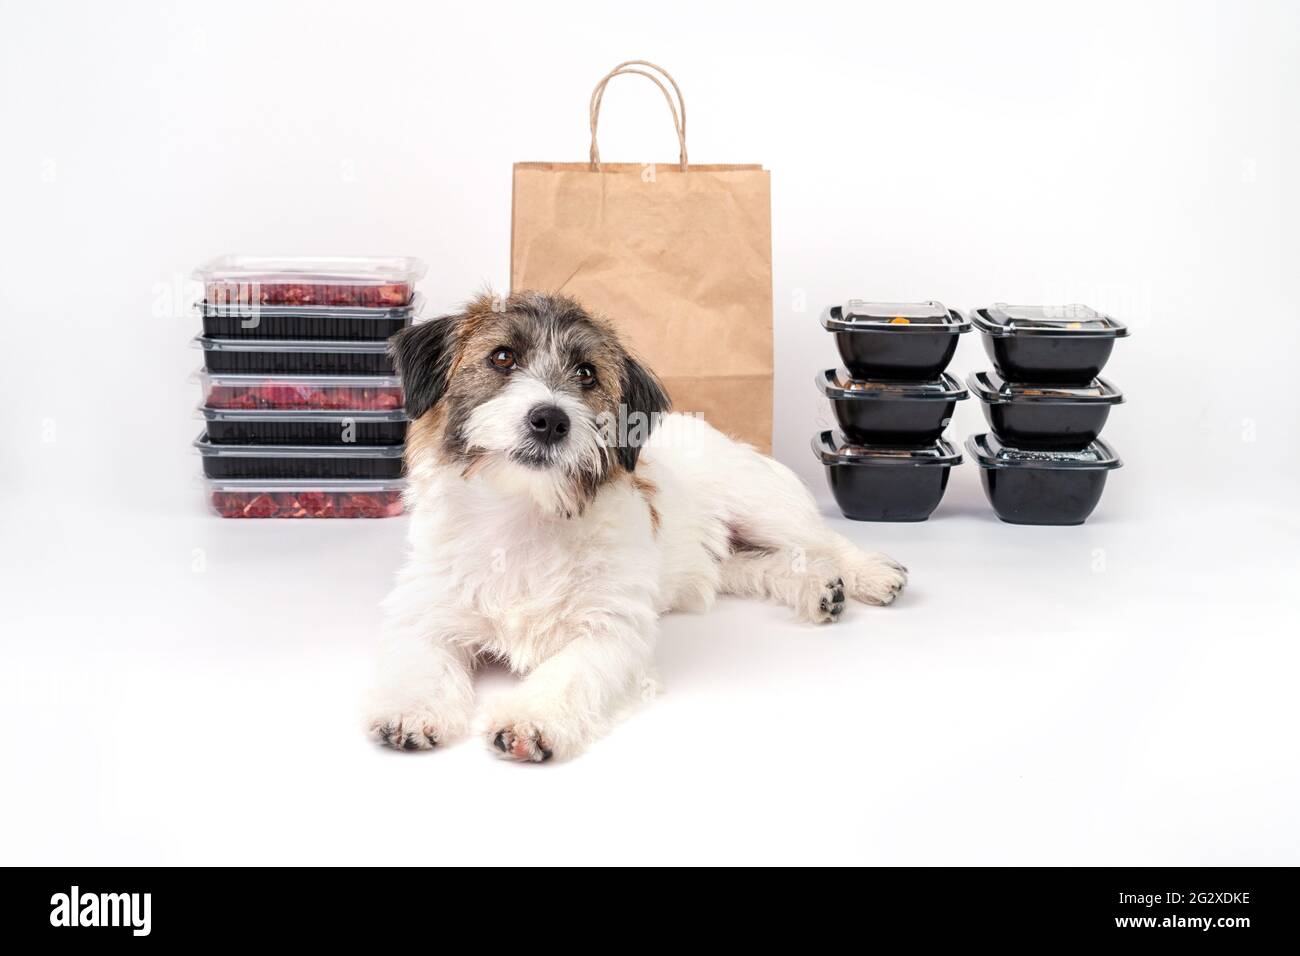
<point x="424" y="355"/>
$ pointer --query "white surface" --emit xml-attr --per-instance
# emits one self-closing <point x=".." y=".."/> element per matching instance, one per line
<point x="175" y="688"/>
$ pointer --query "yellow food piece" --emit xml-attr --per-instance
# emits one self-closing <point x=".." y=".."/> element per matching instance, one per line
<point x="1075" y="325"/>
<point x="899" y="320"/>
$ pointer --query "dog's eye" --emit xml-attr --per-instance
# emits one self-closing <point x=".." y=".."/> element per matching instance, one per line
<point x="503" y="359"/>
<point x="586" y="375"/>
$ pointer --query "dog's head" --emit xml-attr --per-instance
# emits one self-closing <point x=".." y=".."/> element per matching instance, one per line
<point x="530" y="392"/>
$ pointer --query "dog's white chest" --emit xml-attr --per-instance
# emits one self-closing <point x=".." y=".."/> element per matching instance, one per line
<point x="534" y="581"/>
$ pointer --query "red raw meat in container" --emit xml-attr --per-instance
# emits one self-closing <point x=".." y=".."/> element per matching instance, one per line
<point x="365" y="281"/>
<point x="290" y="498"/>
<point x="360" y="393"/>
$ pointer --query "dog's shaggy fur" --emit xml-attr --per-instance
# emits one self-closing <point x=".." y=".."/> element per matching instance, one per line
<point x="548" y="532"/>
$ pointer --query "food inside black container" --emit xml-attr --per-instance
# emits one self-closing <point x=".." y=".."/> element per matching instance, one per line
<point x="912" y="341"/>
<point x="284" y="357"/>
<point x="299" y="461"/>
<point x="1042" y="487"/>
<point x="876" y="483"/>
<point x="243" y="320"/>
<point x="260" y="426"/>
<point x="1066" y="344"/>
<point x="1061" y="417"/>
<point x="890" y="413"/>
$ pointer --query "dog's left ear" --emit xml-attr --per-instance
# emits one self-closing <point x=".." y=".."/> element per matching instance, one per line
<point x="423" y="354"/>
<point x="644" y="399"/>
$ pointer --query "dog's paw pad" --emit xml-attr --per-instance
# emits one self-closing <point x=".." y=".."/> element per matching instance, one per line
<point x="831" y="603"/>
<point x="520" y="741"/>
<point x="404" y="732"/>
<point x="827" y="602"/>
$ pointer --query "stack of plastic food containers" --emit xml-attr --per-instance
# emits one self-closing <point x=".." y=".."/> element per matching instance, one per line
<point x="1044" y="462"/>
<point x="302" y="405"/>
<point x="892" y="400"/>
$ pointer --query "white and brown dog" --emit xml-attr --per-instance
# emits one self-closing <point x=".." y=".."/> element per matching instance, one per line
<point x="556" y="512"/>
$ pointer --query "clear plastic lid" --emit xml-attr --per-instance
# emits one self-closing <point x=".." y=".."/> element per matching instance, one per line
<point x="207" y="449"/>
<point x="862" y="315"/>
<point x="834" y="449"/>
<point x="1003" y="319"/>
<point x="893" y="313"/>
<point x="413" y="309"/>
<point x="294" y="392"/>
<point x="839" y="384"/>
<point x="992" y="388"/>
<point x="360" y="347"/>
<point x="312" y="270"/>
<point x="991" y="453"/>
<point x="328" y="485"/>
<point x="211" y="414"/>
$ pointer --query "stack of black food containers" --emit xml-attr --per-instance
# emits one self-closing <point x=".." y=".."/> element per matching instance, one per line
<point x="302" y="405"/>
<point x="892" y="399"/>
<point x="1043" y="461"/>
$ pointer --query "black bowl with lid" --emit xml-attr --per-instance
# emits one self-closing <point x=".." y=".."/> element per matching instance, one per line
<point x="1060" y="345"/>
<point x="878" y="483"/>
<point x="1026" y="486"/>
<point x="883" y="412"/>
<point x="908" y="341"/>
<point x="1060" y="417"/>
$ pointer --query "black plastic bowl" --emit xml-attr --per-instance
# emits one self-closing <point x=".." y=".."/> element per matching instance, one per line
<point x="1055" y="417"/>
<point x="1042" y="487"/>
<point x="891" y="413"/>
<point x="874" y="483"/>
<point x="876" y="348"/>
<point x="1066" y="345"/>
<point x="300" y="461"/>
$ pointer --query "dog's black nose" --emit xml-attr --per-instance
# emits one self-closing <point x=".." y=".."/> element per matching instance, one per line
<point x="549" y="424"/>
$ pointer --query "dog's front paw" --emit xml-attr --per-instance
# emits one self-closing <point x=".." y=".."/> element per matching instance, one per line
<point x="825" y="600"/>
<point x="875" y="579"/>
<point x="521" y="740"/>
<point x="533" y="728"/>
<point x="404" y="732"/>
<point x="415" y="728"/>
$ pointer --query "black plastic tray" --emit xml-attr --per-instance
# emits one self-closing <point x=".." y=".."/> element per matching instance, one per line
<point x="300" y="461"/>
<point x="271" y="427"/>
<point x="891" y="413"/>
<point x="911" y="352"/>
<point x="285" y="357"/>
<point x="318" y="323"/>
<point x="1048" y="355"/>
<point x="1042" y="487"/>
<point x="874" y="483"/>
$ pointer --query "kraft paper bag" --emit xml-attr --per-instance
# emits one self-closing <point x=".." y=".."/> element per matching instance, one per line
<point x="677" y="257"/>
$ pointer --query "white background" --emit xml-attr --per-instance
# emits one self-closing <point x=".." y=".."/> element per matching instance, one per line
<point x="174" y="688"/>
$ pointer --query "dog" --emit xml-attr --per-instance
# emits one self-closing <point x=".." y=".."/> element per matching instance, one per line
<point x="557" y="509"/>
